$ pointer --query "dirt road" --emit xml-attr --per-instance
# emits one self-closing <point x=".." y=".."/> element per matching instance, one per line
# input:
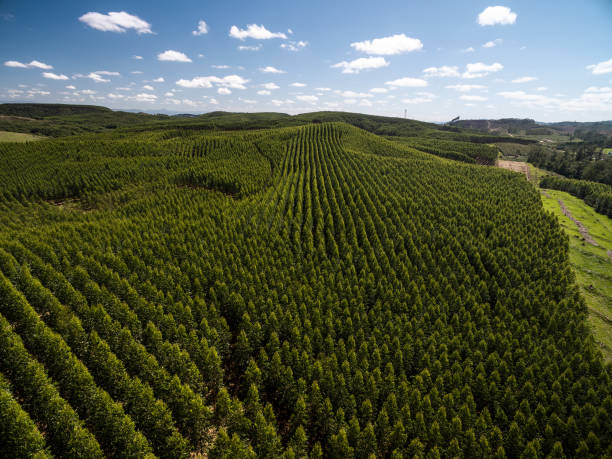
<point x="583" y="229"/>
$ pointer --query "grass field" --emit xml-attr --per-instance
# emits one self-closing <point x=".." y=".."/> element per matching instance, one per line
<point x="6" y="136"/>
<point x="592" y="265"/>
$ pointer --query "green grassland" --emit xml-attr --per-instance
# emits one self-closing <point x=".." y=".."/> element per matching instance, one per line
<point x="592" y="265"/>
<point x="18" y="137"/>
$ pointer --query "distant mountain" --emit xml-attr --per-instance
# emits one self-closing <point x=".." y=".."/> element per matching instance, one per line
<point x="528" y="126"/>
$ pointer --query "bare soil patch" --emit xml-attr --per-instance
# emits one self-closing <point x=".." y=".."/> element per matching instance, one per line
<point x="516" y="166"/>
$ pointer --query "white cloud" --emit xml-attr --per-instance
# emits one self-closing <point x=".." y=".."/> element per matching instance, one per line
<point x="310" y="99"/>
<point x="89" y="92"/>
<point x="71" y="87"/>
<point x="473" y="98"/>
<point x="407" y="82"/>
<point x="395" y="44"/>
<point x="224" y="91"/>
<point x="148" y="87"/>
<point x="468" y="50"/>
<point x="365" y="103"/>
<point x="213" y="101"/>
<point x="220" y="66"/>
<point x="115" y="96"/>
<point x="492" y="15"/>
<point x="247" y="101"/>
<point x="379" y="90"/>
<point x="294" y="45"/>
<point x="479" y="70"/>
<point x="353" y="94"/>
<point x="264" y="92"/>
<point x="173" y="56"/>
<point x="298" y="85"/>
<point x="32" y="64"/>
<point x="270" y="69"/>
<point x="601" y="68"/>
<point x="541" y="88"/>
<point x="278" y="103"/>
<point x="258" y="32"/>
<point x="230" y="81"/>
<point x="169" y="94"/>
<point x="249" y="48"/>
<point x="465" y="87"/>
<point x="444" y="71"/>
<point x="270" y="86"/>
<point x="363" y="63"/>
<point x="493" y="43"/>
<point x="96" y="76"/>
<point x="138" y="58"/>
<point x="202" y="29"/>
<point x="136" y="72"/>
<point x="116" y="22"/>
<point x="525" y="79"/>
<point x="323" y="89"/>
<point x="421" y="98"/>
<point x="54" y="76"/>
<point x="159" y="80"/>
<point x="144" y="97"/>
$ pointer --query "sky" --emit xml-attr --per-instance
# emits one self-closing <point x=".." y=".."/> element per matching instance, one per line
<point x="550" y="60"/>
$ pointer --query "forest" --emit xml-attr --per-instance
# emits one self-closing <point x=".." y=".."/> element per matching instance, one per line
<point x="303" y="288"/>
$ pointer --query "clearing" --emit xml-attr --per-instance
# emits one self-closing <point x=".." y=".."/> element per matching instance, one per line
<point x="6" y="136"/>
<point x="516" y="166"/>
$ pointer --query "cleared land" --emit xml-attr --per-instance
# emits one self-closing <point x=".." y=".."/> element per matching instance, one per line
<point x="516" y="166"/>
<point x="6" y="136"/>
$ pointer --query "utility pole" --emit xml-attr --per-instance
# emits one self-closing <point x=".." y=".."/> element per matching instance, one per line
<point x="405" y="113"/>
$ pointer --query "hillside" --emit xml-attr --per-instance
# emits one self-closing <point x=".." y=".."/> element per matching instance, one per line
<point x="44" y="110"/>
<point x="312" y="290"/>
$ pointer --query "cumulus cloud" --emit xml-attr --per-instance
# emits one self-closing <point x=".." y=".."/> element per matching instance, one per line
<point x="249" y="48"/>
<point x="54" y="76"/>
<point x="173" y="56"/>
<point x="214" y="66"/>
<point x="323" y="89"/>
<point x="230" y="81"/>
<point x="224" y="91"/>
<point x="493" y="15"/>
<point x="479" y="70"/>
<point x="298" y="85"/>
<point x="278" y="103"/>
<point x="138" y="58"/>
<point x="115" y="96"/>
<point x="465" y="87"/>
<point x="407" y="82"/>
<point x="473" y="98"/>
<point x="89" y="92"/>
<point x="541" y="88"/>
<point x="257" y="32"/>
<point x="116" y="22"/>
<point x="493" y="43"/>
<point x="148" y="87"/>
<point x="601" y="68"/>
<point x="444" y="71"/>
<point x="71" y="87"/>
<point x="310" y="99"/>
<point x="159" y="80"/>
<point x="395" y="44"/>
<point x="363" y="63"/>
<point x="270" y="69"/>
<point x="202" y="29"/>
<point x="379" y="90"/>
<point x="468" y="50"/>
<point x="294" y="45"/>
<point x="270" y="86"/>
<point x="525" y="79"/>
<point x="144" y="97"/>
<point x="32" y="64"/>
<point x="264" y="92"/>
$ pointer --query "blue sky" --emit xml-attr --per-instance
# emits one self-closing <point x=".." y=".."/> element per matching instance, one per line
<point x="548" y="60"/>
